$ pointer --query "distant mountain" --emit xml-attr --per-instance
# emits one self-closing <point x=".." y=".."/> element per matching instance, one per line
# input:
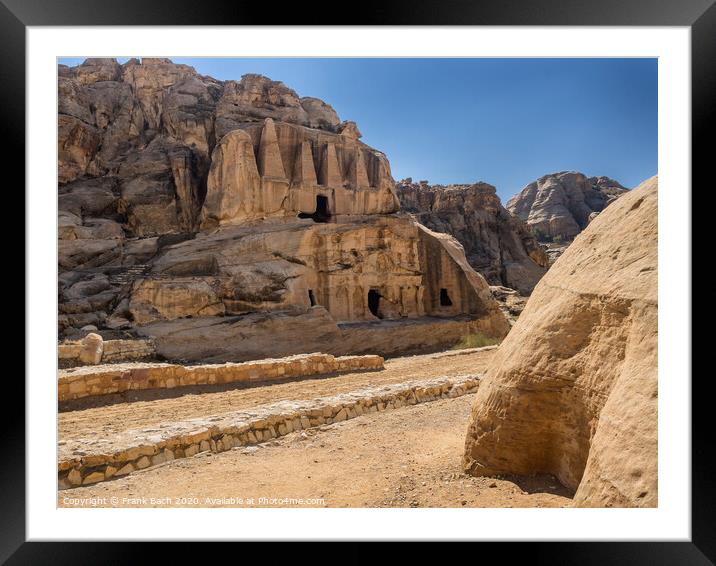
<point x="560" y="205"/>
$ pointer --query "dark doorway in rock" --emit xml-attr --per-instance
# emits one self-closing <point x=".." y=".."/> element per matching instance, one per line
<point x="374" y="303"/>
<point x="322" y="213"/>
<point x="312" y="297"/>
<point x="445" y="298"/>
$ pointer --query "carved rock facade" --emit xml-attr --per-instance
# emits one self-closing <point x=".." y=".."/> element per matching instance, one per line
<point x="234" y="220"/>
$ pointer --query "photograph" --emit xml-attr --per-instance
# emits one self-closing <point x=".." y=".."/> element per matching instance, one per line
<point x="357" y="282"/>
<point x="425" y="276"/>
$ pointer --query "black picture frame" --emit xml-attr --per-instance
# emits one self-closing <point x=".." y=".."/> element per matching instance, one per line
<point x="699" y="15"/>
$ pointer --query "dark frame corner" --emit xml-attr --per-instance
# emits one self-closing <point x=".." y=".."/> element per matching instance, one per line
<point x="700" y="15"/>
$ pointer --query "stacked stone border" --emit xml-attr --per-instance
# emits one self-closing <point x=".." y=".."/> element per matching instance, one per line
<point x="139" y="449"/>
<point x="81" y="352"/>
<point x="88" y="381"/>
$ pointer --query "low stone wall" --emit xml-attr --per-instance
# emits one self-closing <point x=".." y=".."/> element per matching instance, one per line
<point x="127" y="350"/>
<point x="105" y="351"/>
<point x="83" y="462"/>
<point x="107" y="379"/>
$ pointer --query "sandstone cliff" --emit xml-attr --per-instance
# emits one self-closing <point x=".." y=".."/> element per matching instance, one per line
<point x="572" y="391"/>
<point x="496" y="244"/>
<point x="560" y="205"/>
<point x="235" y="219"/>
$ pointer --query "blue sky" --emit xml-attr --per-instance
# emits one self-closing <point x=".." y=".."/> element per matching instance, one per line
<point x="502" y="121"/>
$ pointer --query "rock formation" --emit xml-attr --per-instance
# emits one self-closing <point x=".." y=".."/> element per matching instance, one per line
<point x="572" y="391"/>
<point x="234" y="220"/>
<point x="561" y="205"/>
<point x="496" y="244"/>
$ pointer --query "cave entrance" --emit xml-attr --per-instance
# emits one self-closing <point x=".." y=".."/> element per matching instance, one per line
<point x="311" y="297"/>
<point x="445" y="298"/>
<point x="374" y="303"/>
<point x="321" y="214"/>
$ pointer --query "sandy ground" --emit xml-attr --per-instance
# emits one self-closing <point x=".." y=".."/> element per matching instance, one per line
<point x="409" y="457"/>
<point x="114" y="413"/>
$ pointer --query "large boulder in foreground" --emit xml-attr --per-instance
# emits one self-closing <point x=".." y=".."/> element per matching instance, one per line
<point x="572" y="390"/>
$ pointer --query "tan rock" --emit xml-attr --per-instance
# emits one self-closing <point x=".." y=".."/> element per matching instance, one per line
<point x="94" y="477"/>
<point x="304" y="172"/>
<point x="358" y="173"/>
<point x="560" y="205"/>
<point x="256" y="96"/>
<point x="270" y="164"/>
<point x="74" y="477"/>
<point x="497" y="245"/>
<point x="166" y="300"/>
<point x="92" y="348"/>
<point x="572" y="391"/>
<point x="349" y="129"/>
<point x="199" y="211"/>
<point x="234" y="181"/>
<point x="124" y="470"/>
<point x="77" y="144"/>
<point x="330" y="170"/>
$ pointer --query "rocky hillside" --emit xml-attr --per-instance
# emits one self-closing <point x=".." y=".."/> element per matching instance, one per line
<point x="572" y="391"/>
<point x="497" y="244"/>
<point x="135" y="140"/>
<point x="560" y="205"/>
<point x="234" y="220"/>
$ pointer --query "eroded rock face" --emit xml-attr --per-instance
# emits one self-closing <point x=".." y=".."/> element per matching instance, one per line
<point x="235" y="219"/>
<point x="561" y="205"/>
<point x="572" y="391"/>
<point x="496" y="244"/>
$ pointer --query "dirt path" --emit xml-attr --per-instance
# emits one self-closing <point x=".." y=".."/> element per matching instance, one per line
<point x="151" y="407"/>
<point x="408" y="457"/>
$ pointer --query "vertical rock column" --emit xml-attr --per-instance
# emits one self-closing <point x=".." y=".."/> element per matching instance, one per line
<point x="274" y="184"/>
<point x="234" y="185"/>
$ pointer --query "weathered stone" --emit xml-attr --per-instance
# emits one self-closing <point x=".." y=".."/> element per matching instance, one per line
<point x="92" y="347"/>
<point x="124" y="470"/>
<point x="560" y="205"/>
<point x="208" y="205"/>
<point x="106" y="379"/>
<point x="255" y="423"/>
<point x="159" y="458"/>
<point x="572" y="391"/>
<point x="74" y="477"/>
<point x="497" y="245"/>
<point x="94" y="477"/>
